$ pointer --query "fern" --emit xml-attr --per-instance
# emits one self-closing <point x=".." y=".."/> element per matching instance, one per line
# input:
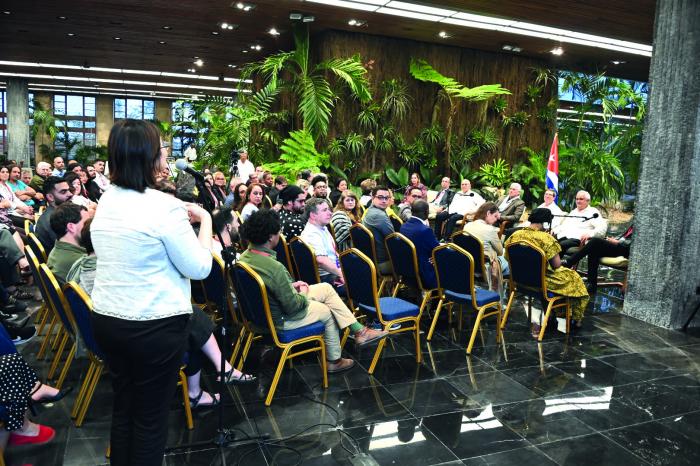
<point x="298" y="153"/>
<point x="422" y="71"/>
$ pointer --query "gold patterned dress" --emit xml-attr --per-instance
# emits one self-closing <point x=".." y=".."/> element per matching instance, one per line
<point x="562" y="281"/>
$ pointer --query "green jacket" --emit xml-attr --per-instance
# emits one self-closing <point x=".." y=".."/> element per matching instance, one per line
<point x="285" y="302"/>
<point x="61" y="259"/>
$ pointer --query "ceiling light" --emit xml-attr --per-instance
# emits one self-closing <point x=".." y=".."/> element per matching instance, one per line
<point x="191" y="70"/>
<point x="256" y="47"/>
<point x="511" y="48"/>
<point x="199" y="62"/>
<point x="224" y="25"/>
<point x="444" y="35"/>
<point x="409" y="14"/>
<point x="295" y="16"/>
<point x="167" y="28"/>
<point x="6" y="12"/>
<point x="231" y="65"/>
<point x="618" y="62"/>
<point x="308" y="19"/>
<point x="507" y="47"/>
<point x="245" y="6"/>
<point x="228" y="26"/>
<point x="117" y="38"/>
<point x="357" y="22"/>
<point x="420" y="8"/>
<point x="71" y="34"/>
<point x="557" y="51"/>
<point x="347" y="4"/>
<point x="162" y="42"/>
<point x="214" y="33"/>
<point x="62" y="18"/>
<point x="273" y="32"/>
<point x="244" y="51"/>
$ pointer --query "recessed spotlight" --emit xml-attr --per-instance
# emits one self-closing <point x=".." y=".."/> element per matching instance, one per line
<point x="511" y="48"/>
<point x="295" y="16"/>
<point x="618" y="62"/>
<point x="117" y="38"/>
<point x="191" y="70"/>
<point x="167" y="28"/>
<point x="357" y="22"/>
<point x="70" y="34"/>
<point x="6" y="12"/>
<point x="557" y="51"/>
<point x="231" y="65"/>
<point x="244" y="51"/>
<point x="245" y="6"/>
<point x="62" y="18"/>
<point x="256" y="47"/>
<point x="224" y="25"/>
<point x="199" y="62"/>
<point x="195" y="57"/>
<point x="273" y="32"/>
<point x="162" y="42"/>
<point x="214" y="33"/>
<point x="308" y="19"/>
<point x="444" y="35"/>
<point x="507" y="47"/>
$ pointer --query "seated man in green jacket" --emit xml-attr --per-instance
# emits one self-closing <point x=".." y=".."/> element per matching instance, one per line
<point x="67" y="222"/>
<point x="296" y="304"/>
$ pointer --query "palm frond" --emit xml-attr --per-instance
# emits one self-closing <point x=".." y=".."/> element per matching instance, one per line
<point x="315" y="103"/>
<point x="352" y="72"/>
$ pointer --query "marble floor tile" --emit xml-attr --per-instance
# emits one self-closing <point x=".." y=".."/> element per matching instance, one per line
<point x="657" y="444"/>
<point x="590" y="449"/>
<point x="528" y="456"/>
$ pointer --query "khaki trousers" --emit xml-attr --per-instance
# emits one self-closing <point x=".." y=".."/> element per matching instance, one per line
<point x="326" y="306"/>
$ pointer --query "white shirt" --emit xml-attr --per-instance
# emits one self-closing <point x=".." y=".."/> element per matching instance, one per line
<point x="245" y="169"/>
<point x="465" y="203"/>
<point x="101" y="181"/>
<point x="321" y="241"/>
<point x="190" y="154"/>
<point x="574" y="228"/>
<point x="555" y="210"/>
<point x="247" y="210"/>
<point x="146" y="253"/>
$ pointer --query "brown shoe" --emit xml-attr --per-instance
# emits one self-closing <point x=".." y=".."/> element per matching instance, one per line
<point x="368" y="335"/>
<point x="341" y="365"/>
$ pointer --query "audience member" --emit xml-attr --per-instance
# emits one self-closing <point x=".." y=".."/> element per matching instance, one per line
<point x="26" y="175"/>
<point x="43" y="171"/>
<point x="319" y="183"/>
<point x="93" y="189"/>
<point x="245" y="166"/>
<point x="341" y="185"/>
<point x="316" y="235"/>
<point x="59" y="168"/>
<point x="347" y="213"/>
<point x="377" y="220"/>
<point x="417" y="230"/>
<point x="560" y="280"/>
<point x="367" y="186"/>
<point x="416" y="183"/>
<point x="83" y="269"/>
<point x="510" y="205"/>
<point x="20" y="189"/>
<point x="464" y="202"/>
<point x="67" y="223"/>
<point x="483" y="227"/>
<point x="280" y="184"/>
<point x="254" y="197"/>
<point x="444" y="197"/>
<point x="291" y="215"/>
<point x="100" y="178"/>
<point x="16" y="210"/>
<point x="572" y="232"/>
<point x="414" y="194"/>
<point x="296" y="304"/>
<point x="57" y="191"/>
<point x="225" y="224"/>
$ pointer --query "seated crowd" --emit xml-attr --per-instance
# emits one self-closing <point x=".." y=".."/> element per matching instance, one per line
<point x="263" y="207"/>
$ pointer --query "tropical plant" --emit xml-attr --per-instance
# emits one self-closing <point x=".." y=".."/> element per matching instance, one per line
<point x="496" y="174"/>
<point x="298" y="153"/>
<point x="517" y="119"/>
<point x="591" y="168"/>
<point x="398" y="178"/>
<point x="498" y="105"/>
<point x="454" y="92"/>
<point x="530" y="173"/>
<point x="485" y="140"/>
<point x="88" y="154"/>
<point x="315" y="96"/>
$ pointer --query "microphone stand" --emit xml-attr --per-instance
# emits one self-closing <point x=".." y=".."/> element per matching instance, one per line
<point x="224" y="437"/>
<point x="582" y="217"/>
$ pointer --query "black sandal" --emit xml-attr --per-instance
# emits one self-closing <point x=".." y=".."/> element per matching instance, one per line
<point x="242" y="379"/>
<point x="47" y="399"/>
<point x="194" y="402"/>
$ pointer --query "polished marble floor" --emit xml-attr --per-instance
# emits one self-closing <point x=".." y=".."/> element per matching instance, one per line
<point x="619" y="392"/>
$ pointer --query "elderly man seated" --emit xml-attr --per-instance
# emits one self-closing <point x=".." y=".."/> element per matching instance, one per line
<point x="296" y="304"/>
<point x="463" y="202"/>
<point x="581" y="224"/>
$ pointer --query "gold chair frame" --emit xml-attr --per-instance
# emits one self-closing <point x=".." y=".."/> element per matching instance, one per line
<point x="311" y="251"/>
<point x="398" y="277"/>
<point x="384" y="278"/>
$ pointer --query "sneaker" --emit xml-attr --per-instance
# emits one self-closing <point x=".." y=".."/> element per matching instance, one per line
<point x="376" y="325"/>
<point x="368" y="335"/>
<point x="21" y="335"/>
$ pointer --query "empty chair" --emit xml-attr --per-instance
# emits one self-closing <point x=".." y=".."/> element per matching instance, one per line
<point x="475" y="247"/>
<point x="454" y="268"/>
<point x="304" y="260"/>
<point x="404" y="263"/>
<point x="363" y="240"/>
<point x="283" y="255"/>
<point x="361" y="285"/>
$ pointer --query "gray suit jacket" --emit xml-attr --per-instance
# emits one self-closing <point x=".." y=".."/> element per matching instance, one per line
<point x="513" y="211"/>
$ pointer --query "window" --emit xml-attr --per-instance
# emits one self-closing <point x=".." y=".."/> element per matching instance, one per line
<point x="137" y="109"/>
<point x="183" y="133"/>
<point x="77" y="113"/>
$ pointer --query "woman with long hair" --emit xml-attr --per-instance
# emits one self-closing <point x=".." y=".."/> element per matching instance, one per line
<point x="346" y="213"/>
<point x="254" y="198"/>
<point x="147" y="253"/>
<point x="483" y="227"/>
<point x="416" y="183"/>
<point x="239" y="196"/>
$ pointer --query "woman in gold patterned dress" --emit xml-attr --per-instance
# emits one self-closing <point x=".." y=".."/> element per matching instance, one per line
<point x="560" y="280"/>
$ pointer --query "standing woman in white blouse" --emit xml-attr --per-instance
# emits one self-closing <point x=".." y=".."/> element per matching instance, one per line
<point x="147" y="252"/>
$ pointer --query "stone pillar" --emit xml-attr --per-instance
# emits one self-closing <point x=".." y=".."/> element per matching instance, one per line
<point x="104" y="114"/>
<point x="18" y="121"/>
<point x="665" y="257"/>
<point x="44" y="99"/>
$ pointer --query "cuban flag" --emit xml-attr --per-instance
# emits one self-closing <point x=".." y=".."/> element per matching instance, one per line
<point x="552" y="177"/>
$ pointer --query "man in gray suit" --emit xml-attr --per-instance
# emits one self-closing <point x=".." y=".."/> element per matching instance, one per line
<point x="511" y="206"/>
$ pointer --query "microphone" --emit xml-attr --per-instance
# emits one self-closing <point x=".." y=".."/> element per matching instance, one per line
<point x="182" y="165"/>
<point x="583" y="217"/>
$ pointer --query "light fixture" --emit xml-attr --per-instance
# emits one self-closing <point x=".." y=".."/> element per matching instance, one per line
<point x="295" y="16"/>
<point x="511" y="48"/>
<point x="62" y="18"/>
<point x="244" y="51"/>
<point x="357" y="22"/>
<point x="117" y="38"/>
<point x="6" y="12"/>
<point x="167" y="28"/>
<point x="214" y="33"/>
<point x="421" y="9"/>
<point x="351" y="4"/>
<point x="308" y="19"/>
<point x="245" y="6"/>
<point x="71" y="34"/>
<point x="162" y="42"/>
<point x="199" y="62"/>
<point x="557" y="51"/>
<point x="273" y="32"/>
<point x="444" y="35"/>
<point x="257" y="47"/>
<point x="228" y="26"/>
<point x="618" y="62"/>
<point x="191" y="70"/>
<point x="231" y="65"/>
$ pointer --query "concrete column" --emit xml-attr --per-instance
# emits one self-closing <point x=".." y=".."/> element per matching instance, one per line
<point x="104" y="114"/>
<point x="18" y="121"/>
<point x="45" y="100"/>
<point x="665" y="257"/>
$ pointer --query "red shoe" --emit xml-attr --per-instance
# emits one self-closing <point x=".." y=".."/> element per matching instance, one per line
<point x="46" y="434"/>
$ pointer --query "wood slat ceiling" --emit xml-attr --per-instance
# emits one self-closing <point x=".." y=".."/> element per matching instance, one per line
<point x="34" y="32"/>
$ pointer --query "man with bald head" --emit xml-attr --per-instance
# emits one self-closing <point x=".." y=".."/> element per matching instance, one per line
<point x="43" y="170"/>
<point x="581" y="224"/>
<point x="511" y="206"/>
<point x="59" y="168"/>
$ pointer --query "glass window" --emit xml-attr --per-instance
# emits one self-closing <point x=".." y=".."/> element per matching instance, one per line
<point x="78" y="115"/>
<point x="137" y="109"/>
<point x="183" y="133"/>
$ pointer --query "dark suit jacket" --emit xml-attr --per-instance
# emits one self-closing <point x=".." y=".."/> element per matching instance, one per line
<point x="424" y="240"/>
<point x="514" y="210"/>
<point x="446" y="199"/>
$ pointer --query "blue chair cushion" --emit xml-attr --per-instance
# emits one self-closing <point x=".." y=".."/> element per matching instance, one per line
<point x="288" y="336"/>
<point x="483" y="297"/>
<point x="393" y="308"/>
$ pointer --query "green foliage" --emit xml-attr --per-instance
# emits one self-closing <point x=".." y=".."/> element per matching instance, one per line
<point x="485" y="140"/>
<point x="430" y="177"/>
<point x="422" y="71"/>
<point x="396" y="101"/>
<point x="298" y="153"/>
<point x="397" y="178"/>
<point x="45" y="123"/>
<point x="88" y="154"/>
<point x="590" y="168"/>
<point x="498" y="105"/>
<point x="496" y="174"/>
<point x="531" y="173"/>
<point x="518" y="119"/>
<point x="533" y="92"/>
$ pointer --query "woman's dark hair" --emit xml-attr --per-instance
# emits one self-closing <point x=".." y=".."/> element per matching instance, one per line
<point x="69" y="177"/>
<point x="134" y="154"/>
<point x="252" y="186"/>
<point x="220" y="218"/>
<point x="86" y="238"/>
<point x="237" y="199"/>
<point x="541" y="215"/>
<point x="260" y="226"/>
<point x="338" y="181"/>
<point x="485" y="208"/>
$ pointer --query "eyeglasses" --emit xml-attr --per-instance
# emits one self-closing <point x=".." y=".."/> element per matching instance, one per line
<point x="382" y="198"/>
<point x="581" y="199"/>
